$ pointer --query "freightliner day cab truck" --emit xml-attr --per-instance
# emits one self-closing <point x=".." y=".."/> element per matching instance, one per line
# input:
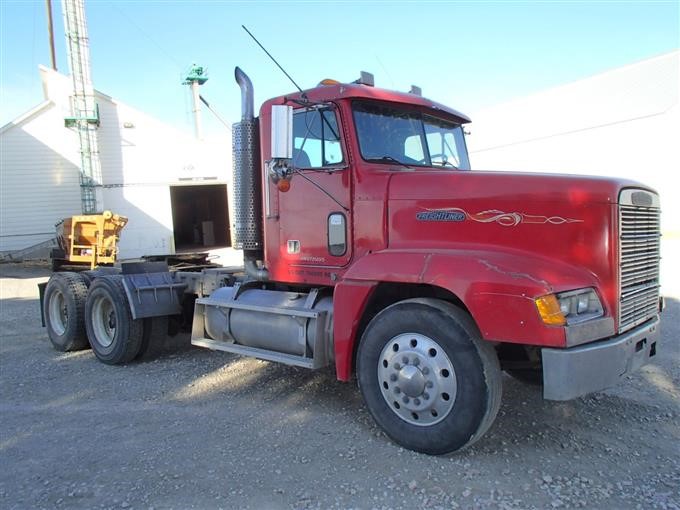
<point x="370" y="247"/>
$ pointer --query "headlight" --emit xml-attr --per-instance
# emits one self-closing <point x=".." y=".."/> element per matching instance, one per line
<point x="569" y="307"/>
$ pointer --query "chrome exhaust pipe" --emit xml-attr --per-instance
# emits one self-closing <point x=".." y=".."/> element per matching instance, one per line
<point x="247" y="94"/>
<point x="246" y="230"/>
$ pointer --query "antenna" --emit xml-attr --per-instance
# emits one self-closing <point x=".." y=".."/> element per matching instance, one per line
<point x="273" y="59"/>
<point x="219" y="117"/>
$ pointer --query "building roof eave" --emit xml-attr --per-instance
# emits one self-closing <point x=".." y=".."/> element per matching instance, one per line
<point x="27" y="115"/>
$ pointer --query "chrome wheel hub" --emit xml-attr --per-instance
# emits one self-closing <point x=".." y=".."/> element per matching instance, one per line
<point x="58" y="313"/>
<point x="411" y="381"/>
<point x="103" y="321"/>
<point x="417" y="379"/>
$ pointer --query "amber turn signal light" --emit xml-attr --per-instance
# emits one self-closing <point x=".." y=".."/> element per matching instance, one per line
<point x="283" y="185"/>
<point x="549" y="309"/>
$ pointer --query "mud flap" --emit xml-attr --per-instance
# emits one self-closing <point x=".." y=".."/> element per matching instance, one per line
<point x="41" y="291"/>
<point x="151" y="290"/>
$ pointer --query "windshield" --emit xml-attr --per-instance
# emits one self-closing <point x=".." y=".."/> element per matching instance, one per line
<point x="394" y="135"/>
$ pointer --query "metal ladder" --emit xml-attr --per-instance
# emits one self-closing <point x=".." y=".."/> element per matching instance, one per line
<point x="85" y="117"/>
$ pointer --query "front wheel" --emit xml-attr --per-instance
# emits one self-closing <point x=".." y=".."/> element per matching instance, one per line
<point x="427" y="377"/>
<point x="114" y="335"/>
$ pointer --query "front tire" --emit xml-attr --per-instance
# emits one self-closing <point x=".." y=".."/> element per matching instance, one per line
<point x="114" y="335"/>
<point x="426" y="376"/>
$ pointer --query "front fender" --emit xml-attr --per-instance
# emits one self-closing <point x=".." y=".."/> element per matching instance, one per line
<point x="497" y="287"/>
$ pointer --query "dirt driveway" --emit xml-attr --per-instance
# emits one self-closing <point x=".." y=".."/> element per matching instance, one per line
<point x="201" y="429"/>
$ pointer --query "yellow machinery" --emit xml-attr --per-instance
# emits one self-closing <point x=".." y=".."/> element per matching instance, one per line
<point x="90" y="239"/>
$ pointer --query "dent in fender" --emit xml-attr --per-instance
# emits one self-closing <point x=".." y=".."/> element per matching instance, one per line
<point x="496" y="288"/>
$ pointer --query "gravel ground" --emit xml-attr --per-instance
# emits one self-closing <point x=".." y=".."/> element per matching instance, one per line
<point x="201" y="429"/>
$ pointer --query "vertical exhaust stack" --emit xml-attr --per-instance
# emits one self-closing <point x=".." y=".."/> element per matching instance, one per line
<point x="246" y="228"/>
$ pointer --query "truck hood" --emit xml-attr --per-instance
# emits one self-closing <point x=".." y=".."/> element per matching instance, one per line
<point x="519" y="188"/>
<point x="541" y="220"/>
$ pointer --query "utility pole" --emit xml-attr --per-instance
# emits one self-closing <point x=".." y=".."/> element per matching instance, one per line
<point x="50" y="34"/>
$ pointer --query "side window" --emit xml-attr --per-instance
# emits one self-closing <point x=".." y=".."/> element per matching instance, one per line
<point x="413" y="148"/>
<point x="316" y="139"/>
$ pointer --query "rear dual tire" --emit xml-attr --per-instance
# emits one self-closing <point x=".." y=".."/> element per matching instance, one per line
<point x="64" y="311"/>
<point x="114" y="335"/>
<point x="77" y="318"/>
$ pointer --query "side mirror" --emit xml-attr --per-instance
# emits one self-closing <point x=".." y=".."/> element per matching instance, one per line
<point x="279" y="167"/>
<point x="282" y="132"/>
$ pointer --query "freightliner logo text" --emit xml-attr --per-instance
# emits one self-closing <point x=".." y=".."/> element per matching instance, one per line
<point x="440" y="216"/>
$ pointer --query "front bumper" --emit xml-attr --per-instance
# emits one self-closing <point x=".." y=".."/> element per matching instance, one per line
<point x="577" y="371"/>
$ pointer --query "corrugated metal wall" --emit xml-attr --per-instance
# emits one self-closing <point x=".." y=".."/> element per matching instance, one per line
<point x="622" y="123"/>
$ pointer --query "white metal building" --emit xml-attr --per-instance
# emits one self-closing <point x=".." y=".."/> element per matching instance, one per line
<point x="624" y="122"/>
<point x="172" y="187"/>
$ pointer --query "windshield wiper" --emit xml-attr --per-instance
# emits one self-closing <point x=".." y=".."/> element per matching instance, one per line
<point x="388" y="159"/>
<point x="444" y="163"/>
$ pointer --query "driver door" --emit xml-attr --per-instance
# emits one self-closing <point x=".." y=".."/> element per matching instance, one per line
<point x="315" y="218"/>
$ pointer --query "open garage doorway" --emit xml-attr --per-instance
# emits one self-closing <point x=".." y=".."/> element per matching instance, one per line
<point x="200" y="217"/>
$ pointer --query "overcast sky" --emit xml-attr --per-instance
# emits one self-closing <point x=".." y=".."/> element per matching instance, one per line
<point x="465" y="54"/>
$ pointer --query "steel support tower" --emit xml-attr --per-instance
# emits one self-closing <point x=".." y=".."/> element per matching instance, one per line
<point x="85" y="113"/>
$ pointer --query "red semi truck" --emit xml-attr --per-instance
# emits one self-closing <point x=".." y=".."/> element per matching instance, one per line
<point x="369" y="246"/>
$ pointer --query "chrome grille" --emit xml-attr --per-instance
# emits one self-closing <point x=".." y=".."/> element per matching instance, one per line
<point x="639" y="257"/>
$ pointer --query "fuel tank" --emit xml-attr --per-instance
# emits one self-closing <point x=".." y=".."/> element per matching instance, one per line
<point x="287" y="322"/>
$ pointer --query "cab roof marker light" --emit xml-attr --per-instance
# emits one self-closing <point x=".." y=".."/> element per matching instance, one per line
<point x="329" y="81"/>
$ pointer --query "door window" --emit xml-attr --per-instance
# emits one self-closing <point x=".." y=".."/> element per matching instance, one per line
<point x="316" y="139"/>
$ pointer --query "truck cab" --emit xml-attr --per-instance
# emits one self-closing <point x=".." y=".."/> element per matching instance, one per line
<point x="370" y="246"/>
<point x="382" y="194"/>
<point x="349" y="141"/>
